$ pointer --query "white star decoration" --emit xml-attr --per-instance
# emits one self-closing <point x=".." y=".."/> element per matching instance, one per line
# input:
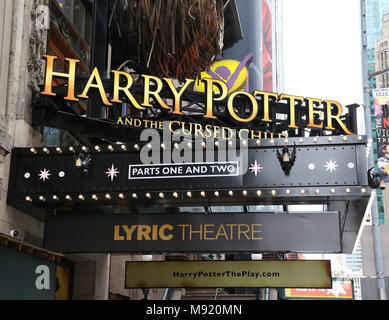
<point x="256" y="168"/>
<point x="331" y="165"/>
<point x="44" y="175"/>
<point x="112" y="172"/>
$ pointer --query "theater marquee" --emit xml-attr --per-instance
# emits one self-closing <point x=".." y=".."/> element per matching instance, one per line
<point x="114" y="177"/>
<point x="302" y="232"/>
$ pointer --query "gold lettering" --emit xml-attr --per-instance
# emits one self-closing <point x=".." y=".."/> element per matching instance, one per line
<point x="128" y="122"/>
<point x="153" y="124"/>
<point x="155" y="94"/>
<point x="116" y="233"/>
<point x="162" y="234"/>
<point x="117" y="88"/>
<point x="216" y="132"/>
<point x="292" y="108"/>
<point x="208" y="231"/>
<point x="129" y="231"/>
<point x="170" y="127"/>
<point x="231" y="108"/>
<point x="243" y="232"/>
<point x="189" y="132"/>
<point x="228" y="137"/>
<point x="183" y="229"/>
<point x="257" y="135"/>
<point x="143" y="232"/>
<point x="231" y="229"/>
<point x="198" y="129"/>
<point x="208" y="130"/>
<point x="311" y="112"/>
<point x="95" y="76"/>
<point x="224" y="233"/>
<point x="137" y="123"/>
<point x="330" y="116"/>
<point x="154" y="235"/>
<point x="50" y="73"/>
<point x="120" y="121"/>
<point x="177" y="95"/>
<point x="253" y="231"/>
<point x="265" y="96"/>
<point x="240" y="134"/>
<point x="210" y="95"/>
<point x="200" y="232"/>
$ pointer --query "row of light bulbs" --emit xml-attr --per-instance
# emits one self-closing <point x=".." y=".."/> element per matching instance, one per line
<point x="176" y="195"/>
<point x="176" y="145"/>
<point x="124" y="147"/>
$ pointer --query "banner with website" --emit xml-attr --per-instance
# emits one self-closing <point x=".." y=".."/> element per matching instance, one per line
<point x="235" y="274"/>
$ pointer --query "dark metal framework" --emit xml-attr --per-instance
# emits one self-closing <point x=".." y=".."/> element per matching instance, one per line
<point x="345" y="191"/>
<point x="328" y="170"/>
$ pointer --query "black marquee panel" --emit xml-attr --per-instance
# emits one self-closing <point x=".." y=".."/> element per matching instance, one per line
<point x="327" y="170"/>
<point x="320" y="165"/>
<point x="230" y="232"/>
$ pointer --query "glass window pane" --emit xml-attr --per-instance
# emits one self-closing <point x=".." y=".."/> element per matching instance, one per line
<point x="79" y="17"/>
<point x="67" y="7"/>
<point x="228" y="209"/>
<point x="307" y="208"/>
<point x="51" y="137"/>
<point x="192" y="209"/>
<point x="265" y="208"/>
<point x="88" y="28"/>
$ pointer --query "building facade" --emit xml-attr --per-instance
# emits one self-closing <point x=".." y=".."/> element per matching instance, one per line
<point x="69" y="30"/>
<point x="24" y="30"/>
<point x="29" y="29"/>
<point x="375" y="11"/>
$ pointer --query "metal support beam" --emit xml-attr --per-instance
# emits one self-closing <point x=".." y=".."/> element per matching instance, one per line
<point x="99" y="50"/>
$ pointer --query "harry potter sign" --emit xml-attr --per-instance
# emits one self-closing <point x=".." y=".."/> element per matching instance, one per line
<point x="318" y="113"/>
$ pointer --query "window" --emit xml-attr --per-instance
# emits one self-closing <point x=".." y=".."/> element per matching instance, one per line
<point x="67" y="7"/>
<point x="307" y="208"/>
<point x="266" y="208"/>
<point x="228" y="209"/>
<point x="382" y="60"/>
<point x="51" y="137"/>
<point x="192" y="209"/>
<point x="79" y="14"/>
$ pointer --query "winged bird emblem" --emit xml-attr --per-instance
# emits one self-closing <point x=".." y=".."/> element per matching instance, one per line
<point x="83" y="163"/>
<point x="287" y="159"/>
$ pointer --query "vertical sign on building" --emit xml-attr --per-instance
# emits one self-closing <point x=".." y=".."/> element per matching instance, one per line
<point x="381" y="115"/>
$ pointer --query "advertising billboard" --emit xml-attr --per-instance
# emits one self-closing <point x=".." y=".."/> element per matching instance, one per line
<point x="341" y="289"/>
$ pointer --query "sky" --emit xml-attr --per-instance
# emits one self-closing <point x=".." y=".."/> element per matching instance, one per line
<point x="322" y="50"/>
